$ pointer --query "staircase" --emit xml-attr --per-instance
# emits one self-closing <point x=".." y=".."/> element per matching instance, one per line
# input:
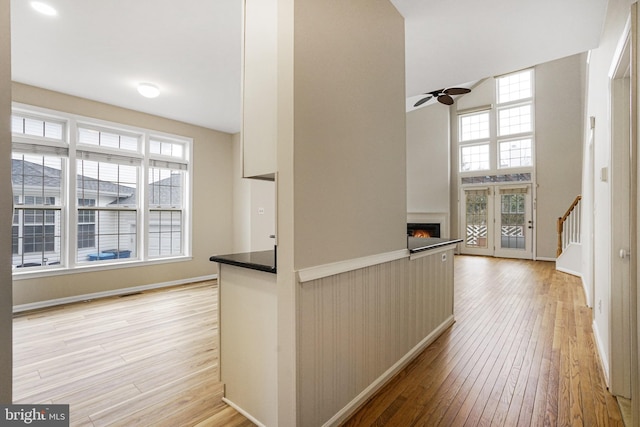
<point x="569" y="251"/>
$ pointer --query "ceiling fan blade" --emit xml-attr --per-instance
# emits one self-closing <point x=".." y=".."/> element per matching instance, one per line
<point x="436" y="92"/>
<point x="457" y="90"/>
<point x="422" y="101"/>
<point x="445" y="99"/>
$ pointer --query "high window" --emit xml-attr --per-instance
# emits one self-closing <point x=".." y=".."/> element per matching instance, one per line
<point x="515" y="120"/>
<point x="498" y="140"/>
<point x="89" y="193"/>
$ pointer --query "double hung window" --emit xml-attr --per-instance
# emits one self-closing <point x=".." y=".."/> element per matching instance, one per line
<point x="88" y="193"/>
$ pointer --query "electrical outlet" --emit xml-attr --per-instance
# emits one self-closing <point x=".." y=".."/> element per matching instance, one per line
<point x="260" y="211"/>
<point x="600" y="306"/>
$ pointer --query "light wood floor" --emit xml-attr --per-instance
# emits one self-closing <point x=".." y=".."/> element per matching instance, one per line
<point x="521" y="353"/>
<point x="140" y="360"/>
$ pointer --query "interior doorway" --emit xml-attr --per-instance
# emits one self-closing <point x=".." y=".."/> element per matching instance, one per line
<point x="623" y="214"/>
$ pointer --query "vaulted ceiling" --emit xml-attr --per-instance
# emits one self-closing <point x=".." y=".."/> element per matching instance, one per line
<point x="190" y="49"/>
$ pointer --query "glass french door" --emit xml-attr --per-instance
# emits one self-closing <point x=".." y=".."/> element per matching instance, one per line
<point x="498" y="221"/>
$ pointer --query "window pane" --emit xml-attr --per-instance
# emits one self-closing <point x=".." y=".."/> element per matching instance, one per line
<point x="36" y="239"/>
<point x="110" y="184"/>
<point x="108" y="139"/>
<point x="164" y="148"/>
<point x="36" y="127"/>
<point x="474" y="126"/>
<point x="474" y="157"/>
<point x="515" y="153"/>
<point x="36" y="176"/>
<point x="165" y="233"/>
<point x="514" y="120"/>
<point x="165" y="187"/>
<point x="515" y="86"/>
<point x="476" y="219"/>
<point x="512" y="221"/>
<point x="114" y="236"/>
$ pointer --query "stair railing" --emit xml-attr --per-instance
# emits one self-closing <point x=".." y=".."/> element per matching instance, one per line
<point x="569" y="226"/>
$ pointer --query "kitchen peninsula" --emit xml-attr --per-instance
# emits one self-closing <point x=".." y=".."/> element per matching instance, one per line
<point x="249" y="333"/>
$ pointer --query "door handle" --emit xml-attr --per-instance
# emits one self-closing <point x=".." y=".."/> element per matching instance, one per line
<point x="624" y="253"/>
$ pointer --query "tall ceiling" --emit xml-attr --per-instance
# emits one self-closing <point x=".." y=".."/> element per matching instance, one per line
<point x="190" y="49"/>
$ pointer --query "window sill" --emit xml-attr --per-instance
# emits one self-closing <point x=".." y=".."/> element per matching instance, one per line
<point x="84" y="268"/>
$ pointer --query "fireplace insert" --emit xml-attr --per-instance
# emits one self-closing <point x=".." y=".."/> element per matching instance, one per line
<point x="429" y="229"/>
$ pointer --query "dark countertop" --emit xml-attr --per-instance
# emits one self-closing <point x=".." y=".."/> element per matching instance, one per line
<point x="419" y="244"/>
<point x="266" y="260"/>
<point x="261" y="260"/>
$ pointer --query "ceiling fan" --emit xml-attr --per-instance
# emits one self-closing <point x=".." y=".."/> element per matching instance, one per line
<point x="443" y="95"/>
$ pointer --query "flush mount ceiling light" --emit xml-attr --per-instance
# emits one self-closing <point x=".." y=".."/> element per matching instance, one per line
<point x="44" y="8"/>
<point x="148" y="90"/>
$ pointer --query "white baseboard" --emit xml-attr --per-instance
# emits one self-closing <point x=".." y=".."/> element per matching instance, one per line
<point x="353" y="406"/>
<point x="604" y="362"/>
<point x="587" y="294"/>
<point x="77" y="298"/>
<point x="569" y="271"/>
<point x="545" y="258"/>
<point x="243" y="412"/>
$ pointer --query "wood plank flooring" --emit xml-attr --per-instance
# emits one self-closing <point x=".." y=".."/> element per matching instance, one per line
<point x="146" y="359"/>
<point x="521" y="353"/>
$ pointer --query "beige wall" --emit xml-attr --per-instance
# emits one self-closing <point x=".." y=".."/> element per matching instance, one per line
<point x="6" y="202"/>
<point x="349" y="141"/>
<point x="559" y="133"/>
<point x="341" y="150"/>
<point x="211" y="213"/>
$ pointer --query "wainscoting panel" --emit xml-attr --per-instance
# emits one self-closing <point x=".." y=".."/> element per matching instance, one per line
<point x="355" y="326"/>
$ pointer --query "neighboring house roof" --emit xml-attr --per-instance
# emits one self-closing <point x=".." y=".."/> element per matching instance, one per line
<point x="32" y="174"/>
<point x="161" y="193"/>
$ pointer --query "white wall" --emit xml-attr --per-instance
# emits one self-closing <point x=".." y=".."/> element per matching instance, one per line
<point x="597" y="193"/>
<point x="6" y="202"/>
<point x="254" y="208"/>
<point x="428" y="149"/>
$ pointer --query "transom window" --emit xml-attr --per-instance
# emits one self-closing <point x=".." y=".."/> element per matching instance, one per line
<point x="117" y="215"/>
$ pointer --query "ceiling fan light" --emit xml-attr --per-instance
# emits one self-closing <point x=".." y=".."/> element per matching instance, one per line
<point x="44" y="8"/>
<point x="148" y="90"/>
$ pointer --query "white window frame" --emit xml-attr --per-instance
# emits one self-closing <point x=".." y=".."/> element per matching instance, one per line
<point x="70" y="149"/>
<point x="494" y="139"/>
<point x="519" y="135"/>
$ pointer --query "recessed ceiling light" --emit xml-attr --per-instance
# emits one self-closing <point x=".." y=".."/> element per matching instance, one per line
<point x="44" y="8"/>
<point x="148" y="90"/>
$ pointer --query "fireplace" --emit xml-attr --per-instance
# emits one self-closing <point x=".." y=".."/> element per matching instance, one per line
<point x="423" y="229"/>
